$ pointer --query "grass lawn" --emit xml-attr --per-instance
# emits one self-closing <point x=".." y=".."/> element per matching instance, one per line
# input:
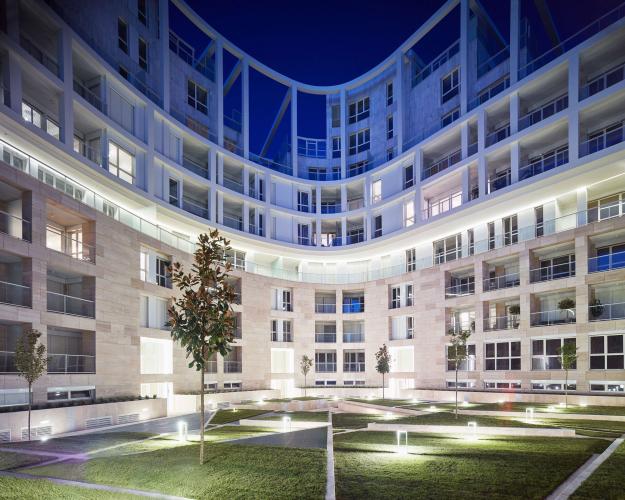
<point x="382" y="402"/>
<point x="234" y="432"/>
<point x="288" y="400"/>
<point x="366" y="466"/>
<point x="9" y="460"/>
<point x="607" y="480"/>
<point x="520" y="407"/>
<point x="298" y="416"/>
<point x="230" y="471"/>
<point x="14" y="488"/>
<point x="355" y="420"/>
<point x="81" y="444"/>
<point x="232" y="415"/>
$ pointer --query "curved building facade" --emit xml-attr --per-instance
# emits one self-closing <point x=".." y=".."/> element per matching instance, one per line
<point x="477" y="185"/>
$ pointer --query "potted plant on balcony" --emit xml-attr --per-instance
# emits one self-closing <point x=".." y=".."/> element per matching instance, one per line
<point x="514" y="310"/>
<point x="567" y="305"/>
<point x="596" y="308"/>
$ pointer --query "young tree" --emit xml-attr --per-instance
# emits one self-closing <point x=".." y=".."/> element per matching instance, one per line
<point x="383" y="363"/>
<point x="201" y="318"/>
<point x="568" y="360"/>
<point x="30" y="362"/>
<point x="458" y="354"/>
<point x="305" y="365"/>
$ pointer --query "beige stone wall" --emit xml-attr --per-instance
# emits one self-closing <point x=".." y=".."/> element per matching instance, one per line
<point x="118" y="288"/>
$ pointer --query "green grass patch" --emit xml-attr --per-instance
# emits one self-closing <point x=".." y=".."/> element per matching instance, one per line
<point x="9" y="460"/>
<point x="234" y="432"/>
<point x="436" y="466"/>
<point x="14" y="488"/>
<point x="233" y="415"/>
<point x="230" y="471"/>
<point x="355" y="420"/>
<point x="607" y="481"/>
<point x="538" y="408"/>
<point x="298" y="416"/>
<point x="382" y="402"/>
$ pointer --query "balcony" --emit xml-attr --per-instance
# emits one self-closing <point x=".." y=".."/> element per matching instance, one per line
<point x="353" y="305"/>
<point x="499" y="180"/>
<point x="14" y="294"/>
<point x="325" y="338"/>
<point x="508" y="322"/>
<point x="355" y="236"/>
<point x="233" y="184"/>
<point x="442" y="164"/>
<point x="67" y="304"/>
<point x="232" y="366"/>
<point x="39" y="55"/>
<point x="281" y="337"/>
<point x="466" y="287"/>
<point x="606" y="312"/>
<point x="553" y="317"/>
<point x="498" y="135"/>
<point x="442" y="204"/>
<point x="329" y="207"/>
<point x="353" y="337"/>
<point x="544" y="162"/>
<point x="195" y="206"/>
<point x="499" y="282"/>
<point x="195" y="166"/>
<point x="89" y="95"/>
<point x="602" y="139"/>
<point x="606" y="79"/>
<point x="606" y="262"/>
<point x="325" y="308"/>
<point x="545" y="111"/>
<point x="69" y="242"/>
<point x="553" y="272"/>
<point x="70" y="363"/>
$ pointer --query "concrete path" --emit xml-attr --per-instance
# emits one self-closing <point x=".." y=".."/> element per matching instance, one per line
<point x="165" y="425"/>
<point x="91" y="486"/>
<point x="330" y="487"/>
<point x="305" y="438"/>
<point x="568" y="487"/>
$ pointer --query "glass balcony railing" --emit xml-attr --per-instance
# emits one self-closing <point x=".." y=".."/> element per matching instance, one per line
<point x="353" y="337"/>
<point x="499" y="282"/>
<point x="554" y="272"/>
<point x="604" y="312"/>
<point x="352" y="307"/>
<point x="603" y="81"/>
<point x="281" y="337"/>
<point x="39" y="55"/>
<point x="545" y="111"/>
<point x="14" y="294"/>
<point x="232" y="366"/>
<point x="325" y="308"/>
<point x="606" y="138"/>
<point x="325" y="338"/>
<point x="460" y="290"/>
<point x="15" y="226"/>
<point x="499" y="180"/>
<point x="442" y="205"/>
<point x="195" y="207"/>
<point x="233" y="222"/>
<point x="89" y="95"/>
<point x="66" y="304"/>
<point x="69" y="244"/>
<point x="195" y="166"/>
<point x="441" y="59"/>
<point x="607" y="262"/>
<point x="71" y="363"/>
<point x="554" y="317"/>
<point x="498" y="135"/>
<point x="544" y="163"/>
<point x="442" y="164"/>
<point x="509" y="322"/>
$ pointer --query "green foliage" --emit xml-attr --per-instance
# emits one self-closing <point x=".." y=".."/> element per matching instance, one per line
<point x="566" y="304"/>
<point x="383" y="360"/>
<point x="305" y="365"/>
<point x="568" y="355"/>
<point x="514" y="309"/>
<point x="30" y="356"/>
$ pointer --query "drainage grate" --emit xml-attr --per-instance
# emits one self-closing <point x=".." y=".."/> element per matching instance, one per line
<point x="5" y="436"/>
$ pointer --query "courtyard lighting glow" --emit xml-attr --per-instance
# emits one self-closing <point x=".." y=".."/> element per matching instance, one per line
<point x="414" y="401"/>
<point x="583" y="405"/>
<point x="561" y="405"/>
<point x="402" y="449"/>
<point x="432" y="408"/>
<point x="261" y="401"/>
<point x="388" y="416"/>
<point x="529" y="415"/>
<point x="500" y="401"/>
<point x="44" y="438"/>
<point x="472" y="434"/>
<point x="336" y="398"/>
<point x="183" y="431"/>
<point x="286" y="424"/>
<point x="370" y="397"/>
<point x="551" y="408"/>
<point x="465" y="403"/>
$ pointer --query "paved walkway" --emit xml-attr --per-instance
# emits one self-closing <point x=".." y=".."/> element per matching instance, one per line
<point x="161" y="425"/>
<point x="330" y="487"/>
<point x="304" y="438"/>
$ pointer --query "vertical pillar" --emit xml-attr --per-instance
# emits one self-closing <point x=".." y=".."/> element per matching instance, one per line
<point x="398" y="97"/>
<point x="219" y="83"/>
<point x="212" y="165"/>
<point x="482" y="175"/>
<point x="318" y="231"/>
<point x="514" y="112"/>
<point x="245" y="106"/>
<point x="344" y="145"/>
<point x="246" y="216"/>
<point x="481" y="129"/>
<point x="149" y="174"/>
<point x="343" y="198"/>
<point x="515" y="39"/>
<point x="163" y="21"/>
<point x="464" y="139"/>
<point x="582" y="206"/>
<point x="573" y="107"/>
<point x="15" y="84"/>
<point x="294" y="129"/>
<point x="318" y="199"/>
<point x="246" y="180"/>
<point x="220" y="208"/>
<point x="343" y="231"/>
<point x="464" y="55"/>
<point x="66" y="111"/>
<point x="466" y="187"/>
<point x="515" y="159"/>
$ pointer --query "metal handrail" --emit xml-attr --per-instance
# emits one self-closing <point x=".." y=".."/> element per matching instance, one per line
<point x="442" y="164"/>
<point x="507" y="322"/>
<point x="195" y="167"/>
<point x="195" y="207"/>
<point x="324" y="308"/>
<point x="353" y="337"/>
<point x="460" y="290"/>
<point x="67" y="304"/>
<point x="604" y="312"/>
<point x="613" y="260"/>
<point x="325" y="338"/>
<point x="442" y="205"/>
<point x="600" y="82"/>
<point x="603" y="141"/>
<point x="14" y="294"/>
<point x="442" y="58"/>
<point x="71" y="363"/>
<point x="89" y="96"/>
<point x="7" y="222"/>
<point x="548" y="161"/>
<point x="498" y="282"/>
<point x="553" y="272"/>
<point x="548" y="109"/>
<point x="498" y="135"/>
<point x="553" y="317"/>
<point x="33" y="49"/>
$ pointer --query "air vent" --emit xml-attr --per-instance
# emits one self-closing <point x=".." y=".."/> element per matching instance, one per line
<point x="5" y="436"/>
<point x="36" y="432"/>
<point x="127" y="419"/>
<point x="94" y="423"/>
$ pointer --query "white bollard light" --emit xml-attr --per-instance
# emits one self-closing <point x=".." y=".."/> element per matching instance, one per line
<point x="286" y="424"/>
<point x="529" y="415"/>
<point x="402" y="448"/>
<point x="183" y="431"/>
<point x="472" y="435"/>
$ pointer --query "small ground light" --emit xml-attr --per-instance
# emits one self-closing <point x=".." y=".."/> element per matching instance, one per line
<point x="472" y="435"/>
<point x="44" y="438"/>
<point x="561" y="405"/>
<point x="183" y="431"/>
<point x="551" y="408"/>
<point x="402" y="449"/>
<point x="583" y="405"/>
<point x="465" y="403"/>
<point x="388" y="416"/>
<point x="261" y="401"/>
<point x="432" y="408"/>
<point x="529" y="415"/>
<point x="286" y="424"/>
<point x="500" y="401"/>
<point x="415" y="401"/>
<point x="336" y="398"/>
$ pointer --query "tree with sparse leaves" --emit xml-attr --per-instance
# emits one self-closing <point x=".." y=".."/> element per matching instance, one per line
<point x="568" y="360"/>
<point x="201" y="317"/>
<point x="458" y="354"/>
<point x="30" y="362"/>
<point x="305" y="365"/>
<point x="383" y="363"/>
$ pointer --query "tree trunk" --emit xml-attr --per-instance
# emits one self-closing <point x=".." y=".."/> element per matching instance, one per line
<point x="202" y="418"/>
<point x="30" y="401"/>
<point x="566" y="389"/>
<point x="304" y="385"/>
<point x="456" y="389"/>
<point x="383" y="386"/>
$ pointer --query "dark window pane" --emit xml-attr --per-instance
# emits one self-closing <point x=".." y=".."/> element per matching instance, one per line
<point x="615" y="344"/>
<point x="597" y="363"/>
<point x="537" y="348"/>
<point x="615" y="362"/>
<point x="515" y="348"/>
<point x="503" y="350"/>
<point x="596" y="345"/>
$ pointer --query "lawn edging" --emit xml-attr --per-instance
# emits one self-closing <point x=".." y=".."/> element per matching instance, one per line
<point x="538" y="415"/>
<point x="279" y="424"/>
<point x="373" y="409"/>
<point x="468" y="431"/>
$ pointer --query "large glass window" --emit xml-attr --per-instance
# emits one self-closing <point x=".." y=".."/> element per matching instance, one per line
<point x="359" y="110"/>
<point x="143" y="54"/>
<point x="156" y="356"/>
<point x="465" y="365"/>
<point x="359" y="142"/>
<point x="354" y="361"/>
<point x="448" y="249"/>
<point x="502" y="355"/>
<point x="197" y="97"/>
<point x="606" y="352"/>
<point x="122" y="35"/>
<point x="450" y="85"/>
<point x="121" y="163"/>
<point x="325" y="361"/>
<point x="546" y="353"/>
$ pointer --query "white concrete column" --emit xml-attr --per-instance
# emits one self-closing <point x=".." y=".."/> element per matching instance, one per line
<point x="66" y="103"/>
<point x="464" y="55"/>
<point x="343" y="198"/>
<point x="220" y="170"/>
<point x="246" y="180"/>
<point x="212" y="167"/>
<point x="418" y="203"/>
<point x="294" y="129"/>
<point x="15" y="84"/>
<point x="344" y="145"/>
<point x="220" y="208"/>
<point x="246" y="216"/>
<point x="268" y="222"/>
<point x="514" y="112"/>
<point x="367" y="188"/>
<point x="367" y="221"/>
<point x="318" y="199"/>
<point x="515" y="160"/>
<point x="150" y="181"/>
<point x="466" y="187"/>
<point x="343" y="231"/>
<point x="573" y="109"/>
<point x="245" y="106"/>
<point x="219" y="83"/>
<point x="481" y="130"/>
<point x="163" y="22"/>
<point x="464" y="139"/>
<point x="515" y="39"/>
<point x="582" y="206"/>
<point x="398" y="97"/>
<point x="482" y="175"/>
<point x="104" y="148"/>
<point x="318" y="231"/>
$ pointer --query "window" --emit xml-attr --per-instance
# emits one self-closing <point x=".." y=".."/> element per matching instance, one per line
<point x="156" y="356"/>
<point x="69" y="393"/>
<point x="540" y="227"/>
<point x="546" y="353"/>
<point x="502" y="355"/>
<point x="282" y="360"/>
<point x="462" y="384"/>
<point x="143" y="54"/>
<point x="389" y="93"/>
<point x="31" y="114"/>
<point x="471" y="241"/>
<point x="606" y="352"/>
<point x="336" y="115"/>
<point x="450" y="117"/>
<point x="303" y="201"/>
<point x="233" y="386"/>
<point x="390" y="154"/>
<point x="601" y="386"/>
<point x="376" y="191"/>
<point x="325" y="382"/>
<point x="450" y="85"/>
<point x="336" y="147"/>
<point x="389" y="127"/>
<point x="325" y="361"/>
<point x="153" y="312"/>
<point x="303" y="234"/>
<point x="162" y="272"/>
<point x="174" y="197"/>
<point x="552" y="385"/>
<point x="359" y="110"/>
<point x="281" y="330"/>
<point x="377" y="226"/>
<point x="411" y="260"/>
<point x="197" y="97"/>
<point x="123" y="72"/>
<point x="359" y="142"/>
<point x="142" y="11"/>
<point x="510" y="230"/>
<point x="354" y="361"/>
<point x="395" y="297"/>
<point x="122" y="35"/>
<point x="493" y="384"/>
<point x="281" y="299"/>
<point x="491" y="236"/>
<point x="121" y="163"/>
<point x="448" y="249"/>
<point x="409" y="215"/>
<point x="466" y="365"/>
<point x="408" y="176"/>
<point x="236" y="258"/>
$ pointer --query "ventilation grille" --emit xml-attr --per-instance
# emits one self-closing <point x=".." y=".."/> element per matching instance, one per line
<point x="36" y="432"/>
<point x="93" y="423"/>
<point x="5" y="436"/>
<point x="223" y="405"/>
<point x="127" y="419"/>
